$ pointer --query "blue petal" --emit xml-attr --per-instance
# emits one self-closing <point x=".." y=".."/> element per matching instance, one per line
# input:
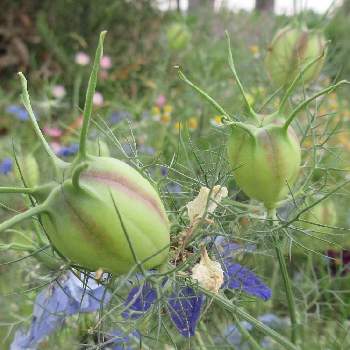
<point x="21" y="341"/>
<point x="18" y="111"/>
<point x="63" y="298"/>
<point x="6" y="166"/>
<point x="139" y="300"/>
<point x="184" y="307"/>
<point x="233" y="334"/>
<point x="239" y="277"/>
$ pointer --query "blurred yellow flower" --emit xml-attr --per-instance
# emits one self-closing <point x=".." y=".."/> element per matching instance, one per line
<point x="255" y="50"/>
<point x="192" y="123"/>
<point x="167" y="109"/>
<point x="216" y="121"/>
<point x="165" y="119"/>
<point x="178" y="126"/>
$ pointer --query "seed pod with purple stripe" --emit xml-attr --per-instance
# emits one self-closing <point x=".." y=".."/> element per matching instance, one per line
<point x="99" y="212"/>
<point x="290" y="50"/>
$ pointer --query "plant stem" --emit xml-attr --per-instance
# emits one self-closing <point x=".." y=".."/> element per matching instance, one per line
<point x="22" y="216"/>
<point x="89" y="97"/>
<point x="271" y="214"/>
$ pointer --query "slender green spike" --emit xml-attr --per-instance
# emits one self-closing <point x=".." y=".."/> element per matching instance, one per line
<point x="298" y="78"/>
<point x="234" y="72"/>
<point x="204" y="94"/>
<point x="76" y="174"/>
<point x="24" y="190"/>
<point x="303" y="104"/>
<point x="89" y="97"/>
<point x="22" y="216"/>
<point x="57" y="162"/>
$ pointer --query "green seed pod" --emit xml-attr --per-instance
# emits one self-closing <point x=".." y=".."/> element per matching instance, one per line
<point x="264" y="152"/>
<point x="29" y="169"/>
<point x="87" y="227"/>
<point x="178" y="36"/>
<point x="264" y="161"/>
<point x="98" y="212"/>
<point x="290" y="51"/>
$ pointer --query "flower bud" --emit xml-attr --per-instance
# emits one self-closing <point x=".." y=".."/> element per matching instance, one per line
<point x="290" y="50"/>
<point x="264" y="162"/>
<point x="178" y="36"/>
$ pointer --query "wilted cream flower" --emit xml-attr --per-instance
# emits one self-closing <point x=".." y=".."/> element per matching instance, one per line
<point x="208" y="273"/>
<point x="196" y="208"/>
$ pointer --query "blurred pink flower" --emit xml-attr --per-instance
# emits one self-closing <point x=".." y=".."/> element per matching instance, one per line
<point x="97" y="99"/>
<point x="161" y="101"/>
<point x="53" y="132"/>
<point x="82" y="58"/>
<point x="106" y="62"/>
<point x="58" y="91"/>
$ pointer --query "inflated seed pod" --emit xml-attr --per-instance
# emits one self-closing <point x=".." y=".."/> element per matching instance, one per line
<point x="98" y="212"/>
<point x="264" y="151"/>
<point x="290" y="50"/>
<point x="265" y="161"/>
<point x="178" y="36"/>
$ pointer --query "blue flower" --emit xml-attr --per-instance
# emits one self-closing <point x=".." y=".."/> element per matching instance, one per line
<point x="147" y="150"/>
<point x="19" y="112"/>
<point x="239" y="277"/>
<point x="184" y="307"/>
<point x="118" y="116"/>
<point x="232" y="334"/>
<point x="6" y="166"/>
<point x="139" y="300"/>
<point x="65" y="297"/>
<point x="67" y="151"/>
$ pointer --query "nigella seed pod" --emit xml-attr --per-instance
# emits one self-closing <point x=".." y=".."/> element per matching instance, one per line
<point x="178" y="36"/>
<point x="98" y="212"/>
<point x="291" y="50"/>
<point x="265" y="161"/>
<point x="264" y="152"/>
<point x="91" y="225"/>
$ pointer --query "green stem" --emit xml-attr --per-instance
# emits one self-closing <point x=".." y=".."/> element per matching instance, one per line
<point x="24" y="190"/>
<point x="296" y="81"/>
<point x="240" y="313"/>
<point x="255" y="345"/>
<point x="57" y="162"/>
<point x="76" y="174"/>
<point x="204" y="94"/>
<point x="22" y="216"/>
<point x="89" y="97"/>
<point x="234" y="72"/>
<point x="310" y="99"/>
<point x="271" y="214"/>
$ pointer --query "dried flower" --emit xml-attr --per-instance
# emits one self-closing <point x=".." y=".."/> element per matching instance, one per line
<point x="202" y="203"/>
<point x="208" y="273"/>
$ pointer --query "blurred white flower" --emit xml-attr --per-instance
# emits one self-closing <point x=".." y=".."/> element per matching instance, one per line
<point x="208" y="273"/>
<point x="97" y="99"/>
<point x="197" y="207"/>
<point x="58" y="91"/>
<point x="82" y="58"/>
